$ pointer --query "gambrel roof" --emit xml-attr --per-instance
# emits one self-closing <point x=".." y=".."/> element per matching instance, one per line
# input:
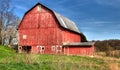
<point x="66" y="23"/>
<point x="63" y="21"/>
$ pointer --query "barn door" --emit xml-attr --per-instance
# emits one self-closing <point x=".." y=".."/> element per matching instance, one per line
<point x="58" y="49"/>
<point x="66" y="50"/>
<point x="40" y="49"/>
<point x="53" y="49"/>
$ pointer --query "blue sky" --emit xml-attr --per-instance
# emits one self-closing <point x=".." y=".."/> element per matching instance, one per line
<point x="97" y="19"/>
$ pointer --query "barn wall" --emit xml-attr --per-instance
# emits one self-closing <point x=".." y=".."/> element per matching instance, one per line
<point x="79" y="50"/>
<point x="70" y="37"/>
<point x="28" y="37"/>
<point x="40" y="29"/>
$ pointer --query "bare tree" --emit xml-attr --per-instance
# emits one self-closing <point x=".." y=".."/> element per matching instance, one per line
<point x="8" y="22"/>
<point x="9" y="32"/>
<point x="4" y="7"/>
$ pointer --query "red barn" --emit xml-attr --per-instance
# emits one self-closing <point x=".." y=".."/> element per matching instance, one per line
<point x="44" y="31"/>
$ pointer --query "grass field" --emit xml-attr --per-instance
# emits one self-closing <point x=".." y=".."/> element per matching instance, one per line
<point x="9" y="60"/>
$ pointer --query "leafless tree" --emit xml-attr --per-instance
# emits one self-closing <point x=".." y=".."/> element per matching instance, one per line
<point x="8" y="22"/>
<point x="9" y="32"/>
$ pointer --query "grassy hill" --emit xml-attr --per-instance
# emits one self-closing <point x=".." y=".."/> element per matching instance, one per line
<point x="6" y="52"/>
<point x="9" y="60"/>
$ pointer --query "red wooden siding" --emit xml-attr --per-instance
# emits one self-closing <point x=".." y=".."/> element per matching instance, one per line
<point x="78" y="50"/>
<point x="70" y="37"/>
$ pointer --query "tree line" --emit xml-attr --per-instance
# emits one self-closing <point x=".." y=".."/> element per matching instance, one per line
<point x="8" y="23"/>
<point x="109" y="47"/>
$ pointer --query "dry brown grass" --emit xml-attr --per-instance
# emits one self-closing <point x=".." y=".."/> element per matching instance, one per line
<point x="112" y="58"/>
<point x="113" y="66"/>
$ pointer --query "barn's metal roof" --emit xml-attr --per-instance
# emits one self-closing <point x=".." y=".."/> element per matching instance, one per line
<point x="79" y="44"/>
<point x="66" y="23"/>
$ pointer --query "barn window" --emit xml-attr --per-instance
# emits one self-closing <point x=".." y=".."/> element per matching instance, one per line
<point x="20" y="47"/>
<point x="39" y="8"/>
<point x="42" y="48"/>
<point x="58" y="49"/>
<point x="24" y="36"/>
<point x="53" y="48"/>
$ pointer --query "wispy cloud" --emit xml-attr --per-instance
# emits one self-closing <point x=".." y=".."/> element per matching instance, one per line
<point x="93" y="21"/>
<point x="97" y="25"/>
<point x="115" y="3"/>
<point x="23" y="8"/>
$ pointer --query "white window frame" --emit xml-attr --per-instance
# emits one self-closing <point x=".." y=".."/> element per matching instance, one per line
<point x="41" y="49"/>
<point x="53" y="48"/>
<point x="60" y="48"/>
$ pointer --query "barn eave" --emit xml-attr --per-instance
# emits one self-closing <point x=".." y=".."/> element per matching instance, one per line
<point x="78" y="44"/>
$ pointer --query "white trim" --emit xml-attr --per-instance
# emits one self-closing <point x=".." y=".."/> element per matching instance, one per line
<point x="60" y="48"/>
<point x="53" y="48"/>
<point x="41" y="50"/>
<point x="67" y="50"/>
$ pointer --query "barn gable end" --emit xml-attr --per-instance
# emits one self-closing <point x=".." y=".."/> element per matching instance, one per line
<point x="34" y="18"/>
<point x="62" y="21"/>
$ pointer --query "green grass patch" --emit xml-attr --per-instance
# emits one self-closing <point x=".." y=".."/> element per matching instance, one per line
<point x="6" y="51"/>
<point x="9" y="60"/>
